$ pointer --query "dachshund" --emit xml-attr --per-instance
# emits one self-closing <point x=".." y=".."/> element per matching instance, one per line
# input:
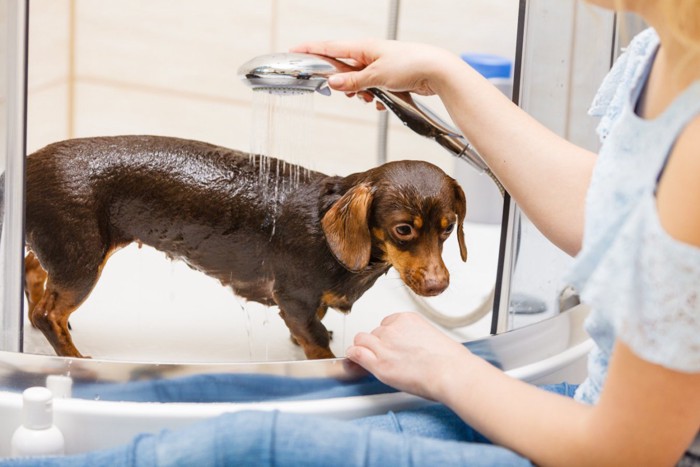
<point x="276" y="233"/>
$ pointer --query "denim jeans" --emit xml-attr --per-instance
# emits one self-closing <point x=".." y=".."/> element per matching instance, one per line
<point x="432" y="435"/>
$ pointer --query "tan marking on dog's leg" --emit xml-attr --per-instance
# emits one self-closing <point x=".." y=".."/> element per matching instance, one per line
<point x="35" y="283"/>
<point x="50" y="316"/>
<point x="313" y="337"/>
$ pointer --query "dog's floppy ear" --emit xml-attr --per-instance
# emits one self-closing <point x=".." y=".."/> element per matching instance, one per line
<point x="461" y="209"/>
<point x="346" y="227"/>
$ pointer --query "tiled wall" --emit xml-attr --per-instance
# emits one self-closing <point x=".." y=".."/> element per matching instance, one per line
<point x="104" y="67"/>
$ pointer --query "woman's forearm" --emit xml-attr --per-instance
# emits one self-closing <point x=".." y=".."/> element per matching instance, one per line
<point x="550" y="429"/>
<point x="546" y="175"/>
<point x="544" y="427"/>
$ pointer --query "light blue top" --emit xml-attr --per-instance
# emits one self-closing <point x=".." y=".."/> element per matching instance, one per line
<point x="643" y="286"/>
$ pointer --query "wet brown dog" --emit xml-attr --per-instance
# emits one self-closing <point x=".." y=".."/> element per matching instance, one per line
<point x="276" y="233"/>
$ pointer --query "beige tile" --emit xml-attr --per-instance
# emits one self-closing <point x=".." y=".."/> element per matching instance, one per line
<point x="336" y="146"/>
<point x="317" y="140"/>
<point x="303" y="20"/>
<point x="487" y="26"/>
<point x="405" y="144"/>
<point x="48" y="42"/>
<point x="110" y="110"/>
<point x="47" y="116"/>
<point x="192" y="46"/>
<point x="153" y="48"/>
<point x="342" y="147"/>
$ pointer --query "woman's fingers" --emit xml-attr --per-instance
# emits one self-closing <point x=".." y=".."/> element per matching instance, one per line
<point x="351" y="81"/>
<point x="364" y="350"/>
<point x="366" y="339"/>
<point x="354" y="50"/>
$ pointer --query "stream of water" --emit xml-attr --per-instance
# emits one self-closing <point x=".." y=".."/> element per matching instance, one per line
<point x="281" y="138"/>
<point x="281" y="147"/>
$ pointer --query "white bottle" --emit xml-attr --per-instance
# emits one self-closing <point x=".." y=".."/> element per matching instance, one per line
<point x="37" y="436"/>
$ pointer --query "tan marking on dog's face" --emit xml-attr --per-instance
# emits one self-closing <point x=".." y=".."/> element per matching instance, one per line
<point x="421" y="269"/>
<point x="401" y="260"/>
<point x="418" y="222"/>
<point x="380" y="237"/>
<point x="379" y="233"/>
<point x="444" y="222"/>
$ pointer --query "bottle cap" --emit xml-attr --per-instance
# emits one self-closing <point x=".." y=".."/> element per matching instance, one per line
<point x="37" y="412"/>
<point x="489" y="65"/>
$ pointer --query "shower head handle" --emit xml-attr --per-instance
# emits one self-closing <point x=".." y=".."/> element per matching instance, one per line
<point x="425" y="122"/>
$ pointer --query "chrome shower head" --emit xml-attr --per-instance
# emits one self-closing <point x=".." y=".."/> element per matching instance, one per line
<point x="290" y="73"/>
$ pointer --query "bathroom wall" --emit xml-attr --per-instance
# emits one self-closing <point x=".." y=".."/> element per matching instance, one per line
<point x="169" y="67"/>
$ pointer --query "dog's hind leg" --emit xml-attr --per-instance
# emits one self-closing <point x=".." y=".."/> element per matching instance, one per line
<point x="50" y="316"/>
<point x="67" y="286"/>
<point x="35" y="282"/>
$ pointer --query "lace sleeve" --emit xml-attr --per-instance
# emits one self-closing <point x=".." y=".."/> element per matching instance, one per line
<point x="658" y="302"/>
<point x="608" y="101"/>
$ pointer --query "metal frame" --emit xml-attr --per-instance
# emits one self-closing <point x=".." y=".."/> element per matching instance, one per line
<point x="551" y="87"/>
<point x="16" y="63"/>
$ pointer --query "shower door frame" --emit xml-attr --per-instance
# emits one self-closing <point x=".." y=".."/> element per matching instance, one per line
<point x="17" y="20"/>
<point x="555" y="86"/>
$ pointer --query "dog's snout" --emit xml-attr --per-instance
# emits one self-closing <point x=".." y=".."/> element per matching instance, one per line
<point x="435" y="285"/>
<point x="427" y="282"/>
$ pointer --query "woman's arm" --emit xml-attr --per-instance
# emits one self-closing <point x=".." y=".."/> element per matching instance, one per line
<point x="647" y="414"/>
<point x="545" y="174"/>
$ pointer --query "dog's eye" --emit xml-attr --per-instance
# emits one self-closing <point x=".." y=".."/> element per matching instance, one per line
<point x="449" y="229"/>
<point x="403" y="231"/>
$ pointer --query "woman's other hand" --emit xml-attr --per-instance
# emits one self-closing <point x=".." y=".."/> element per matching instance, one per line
<point x="410" y="354"/>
